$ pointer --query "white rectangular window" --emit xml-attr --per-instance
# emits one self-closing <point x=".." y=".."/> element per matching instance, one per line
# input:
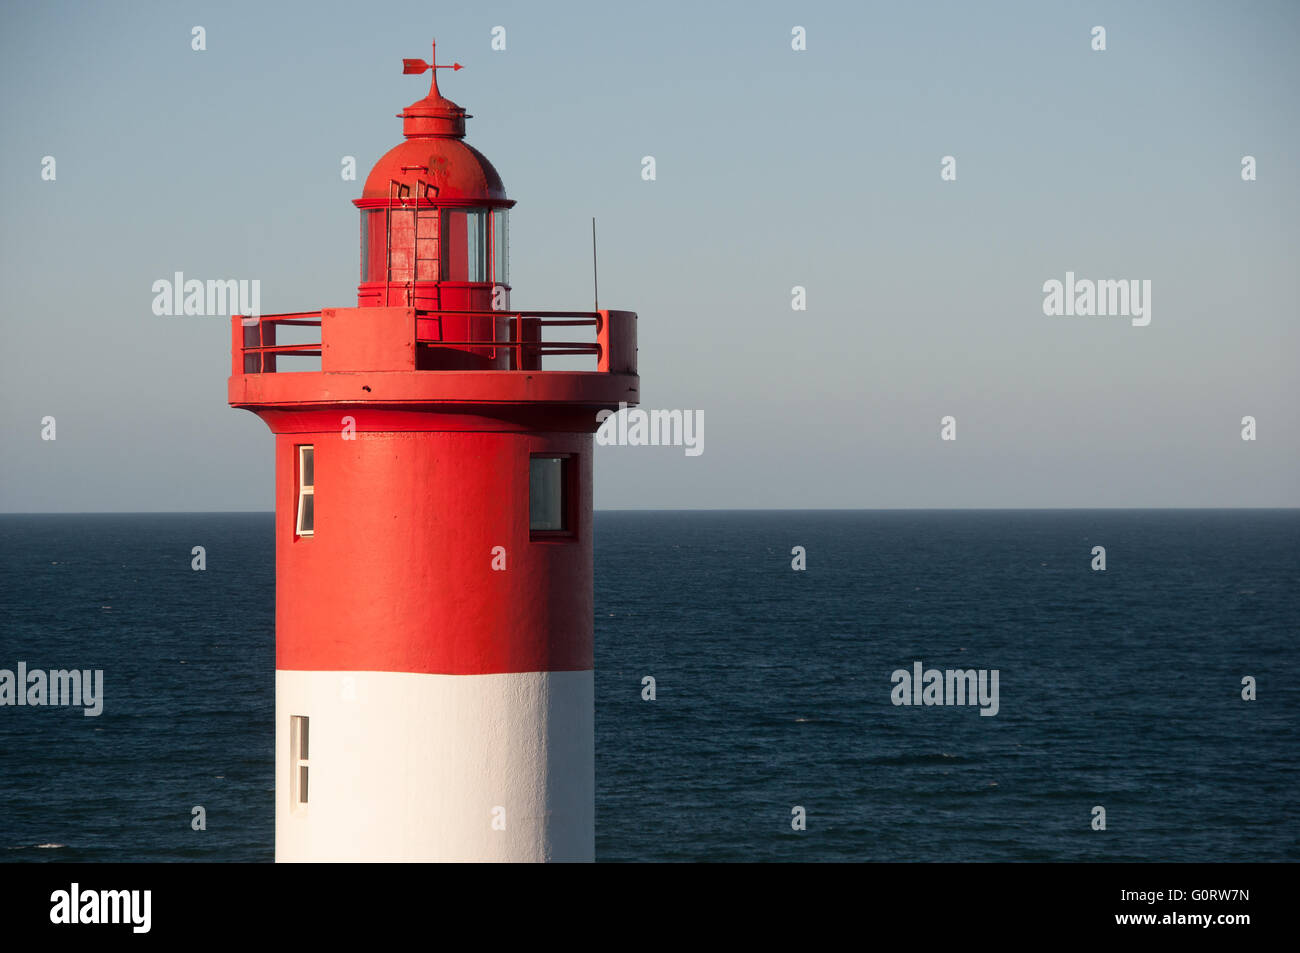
<point x="299" y="752"/>
<point x="306" y="491"/>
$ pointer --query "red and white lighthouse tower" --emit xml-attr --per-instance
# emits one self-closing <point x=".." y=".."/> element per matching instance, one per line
<point x="434" y="695"/>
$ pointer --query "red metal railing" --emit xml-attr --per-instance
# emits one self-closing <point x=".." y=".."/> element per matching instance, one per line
<point x="523" y="338"/>
<point x="256" y="348"/>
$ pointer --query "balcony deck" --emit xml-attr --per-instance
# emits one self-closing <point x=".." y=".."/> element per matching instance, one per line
<point x="375" y="356"/>
<point x="396" y="333"/>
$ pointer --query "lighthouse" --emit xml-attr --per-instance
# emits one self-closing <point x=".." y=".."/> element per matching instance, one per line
<point x="433" y="529"/>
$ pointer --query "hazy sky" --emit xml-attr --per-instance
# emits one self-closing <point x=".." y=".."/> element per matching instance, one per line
<point x="775" y="168"/>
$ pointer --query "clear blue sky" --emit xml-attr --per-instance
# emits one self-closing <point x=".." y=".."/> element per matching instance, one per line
<point x="775" y="168"/>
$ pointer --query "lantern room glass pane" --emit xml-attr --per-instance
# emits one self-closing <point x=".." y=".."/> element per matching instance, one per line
<point x="374" y="248"/>
<point x="464" y="244"/>
<point x="426" y="245"/>
<point x="401" y="240"/>
<point x="501" y="246"/>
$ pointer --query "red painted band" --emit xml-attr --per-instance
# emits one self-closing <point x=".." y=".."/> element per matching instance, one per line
<point x="403" y="573"/>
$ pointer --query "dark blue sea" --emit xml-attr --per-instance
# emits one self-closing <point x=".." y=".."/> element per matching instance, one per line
<point x="1120" y="689"/>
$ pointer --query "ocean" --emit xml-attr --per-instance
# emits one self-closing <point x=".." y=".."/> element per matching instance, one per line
<point x="774" y="688"/>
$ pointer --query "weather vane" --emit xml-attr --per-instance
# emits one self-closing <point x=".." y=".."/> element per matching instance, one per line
<point x="419" y="66"/>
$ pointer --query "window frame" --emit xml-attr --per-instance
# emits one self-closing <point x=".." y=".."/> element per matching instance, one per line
<point x="499" y="234"/>
<point x="569" y="477"/>
<point x="299" y="762"/>
<point x="304" y="490"/>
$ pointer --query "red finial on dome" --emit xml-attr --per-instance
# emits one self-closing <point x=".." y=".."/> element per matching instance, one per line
<point x="435" y="115"/>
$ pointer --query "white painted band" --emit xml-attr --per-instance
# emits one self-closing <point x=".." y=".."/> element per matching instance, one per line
<point x="414" y="767"/>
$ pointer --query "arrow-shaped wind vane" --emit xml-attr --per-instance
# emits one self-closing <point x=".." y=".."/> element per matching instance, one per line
<point x="419" y="66"/>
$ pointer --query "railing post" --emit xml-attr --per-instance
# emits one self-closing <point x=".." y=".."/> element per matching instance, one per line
<point x="602" y="341"/>
<point x="268" y="340"/>
<point x="616" y="337"/>
<point x="251" y="337"/>
<point x="236" y="345"/>
<point x="530" y="335"/>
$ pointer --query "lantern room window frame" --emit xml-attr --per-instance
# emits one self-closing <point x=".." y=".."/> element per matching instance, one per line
<point x="496" y="239"/>
<point x="499" y="246"/>
<point x="466" y="243"/>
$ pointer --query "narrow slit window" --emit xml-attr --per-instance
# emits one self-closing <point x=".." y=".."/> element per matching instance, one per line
<point x="306" y="491"/>
<point x="548" y="494"/>
<point x="299" y="739"/>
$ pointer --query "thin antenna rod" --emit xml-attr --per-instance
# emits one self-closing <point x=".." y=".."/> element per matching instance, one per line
<point x="595" y="282"/>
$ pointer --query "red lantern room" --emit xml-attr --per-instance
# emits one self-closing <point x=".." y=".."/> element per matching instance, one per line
<point x="435" y="228"/>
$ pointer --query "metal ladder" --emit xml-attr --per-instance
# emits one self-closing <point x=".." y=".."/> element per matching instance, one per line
<point x="400" y="193"/>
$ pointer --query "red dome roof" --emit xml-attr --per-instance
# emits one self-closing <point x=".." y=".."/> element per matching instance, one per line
<point x="456" y="169"/>
<point x="435" y="152"/>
